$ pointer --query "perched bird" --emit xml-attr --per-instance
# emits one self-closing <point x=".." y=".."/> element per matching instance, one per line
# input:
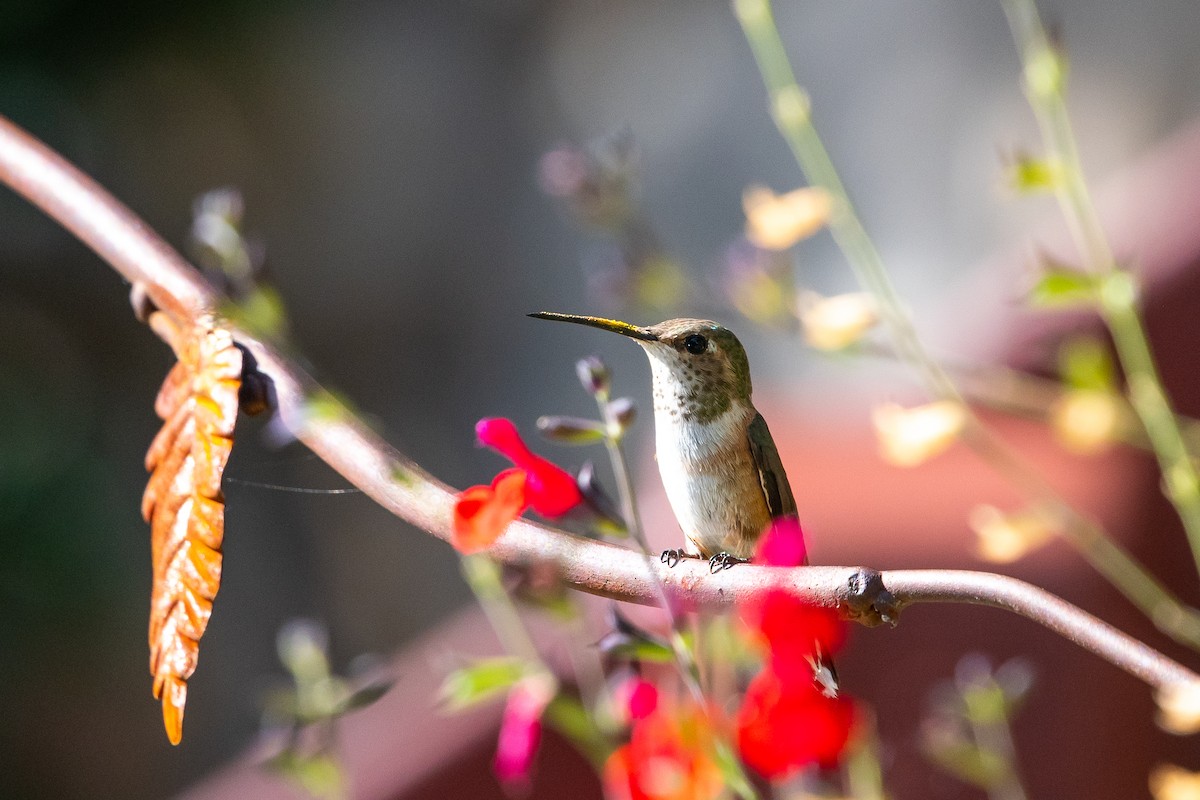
<point x="718" y="462"/>
<point x="717" y="459"/>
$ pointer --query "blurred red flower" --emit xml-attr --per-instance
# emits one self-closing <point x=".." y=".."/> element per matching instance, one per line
<point x="669" y="757"/>
<point x="788" y="719"/>
<point x="786" y="723"/>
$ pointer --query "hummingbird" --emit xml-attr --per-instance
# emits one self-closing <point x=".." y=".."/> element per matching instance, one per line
<point x="718" y="462"/>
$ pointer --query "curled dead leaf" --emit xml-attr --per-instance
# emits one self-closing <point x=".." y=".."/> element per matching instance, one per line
<point x="183" y="503"/>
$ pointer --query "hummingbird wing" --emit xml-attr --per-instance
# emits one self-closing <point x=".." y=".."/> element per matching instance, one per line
<point x="770" y="469"/>
<point x="778" y="492"/>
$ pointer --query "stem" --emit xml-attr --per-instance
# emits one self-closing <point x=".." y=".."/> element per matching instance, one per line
<point x="483" y="576"/>
<point x="403" y="488"/>
<point x="790" y="110"/>
<point x="1045" y="80"/>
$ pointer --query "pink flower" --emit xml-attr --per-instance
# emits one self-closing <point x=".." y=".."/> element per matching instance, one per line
<point x="783" y="545"/>
<point x="521" y="730"/>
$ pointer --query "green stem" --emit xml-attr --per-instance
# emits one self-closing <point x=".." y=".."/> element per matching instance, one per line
<point x="790" y="110"/>
<point x="483" y="576"/>
<point x="1045" y="80"/>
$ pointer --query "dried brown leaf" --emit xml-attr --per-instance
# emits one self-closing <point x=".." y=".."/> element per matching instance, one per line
<point x="183" y="503"/>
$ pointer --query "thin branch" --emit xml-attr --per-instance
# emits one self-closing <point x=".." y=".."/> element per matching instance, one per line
<point x="402" y="487"/>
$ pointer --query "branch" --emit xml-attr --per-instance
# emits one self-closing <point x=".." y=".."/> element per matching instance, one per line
<point x="401" y="486"/>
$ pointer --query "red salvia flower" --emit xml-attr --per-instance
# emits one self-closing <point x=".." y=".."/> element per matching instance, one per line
<point x="551" y="490"/>
<point x="483" y="512"/>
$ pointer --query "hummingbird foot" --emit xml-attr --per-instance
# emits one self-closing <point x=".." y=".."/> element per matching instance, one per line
<point x="721" y="561"/>
<point x="675" y="555"/>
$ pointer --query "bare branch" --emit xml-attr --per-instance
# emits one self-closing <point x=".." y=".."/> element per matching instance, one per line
<point x="401" y="486"/>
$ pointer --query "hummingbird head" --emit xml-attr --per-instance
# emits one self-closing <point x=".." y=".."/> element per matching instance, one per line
<point x="700" y="368"/>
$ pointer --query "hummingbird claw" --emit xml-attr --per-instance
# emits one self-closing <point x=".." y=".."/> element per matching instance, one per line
<point x="723" y="561"/>
<point x="672" y="557"/>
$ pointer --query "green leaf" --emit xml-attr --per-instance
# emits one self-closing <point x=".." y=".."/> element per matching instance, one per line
<point x="1085" y="363"/>
<point x="642" y="650"/>
<point x="1030" y="175"/>
<point x="1060" y="287"/>
<point x="480" y="682"/>
<point x="732" y="771"/>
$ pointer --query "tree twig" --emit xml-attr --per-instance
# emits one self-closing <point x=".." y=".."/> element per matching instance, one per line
<point x="401" y="486"/>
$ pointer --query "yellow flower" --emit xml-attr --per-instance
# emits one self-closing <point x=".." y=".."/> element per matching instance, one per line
<point x="1179" y="708"/>
<point x="834" y="323"/>
<point x="910" y="436"/>
<point x="776" y="222"/>
<point x="1169" y="782"/>
<point x="1086" y="420"/>
<point x="1005" y="538"/>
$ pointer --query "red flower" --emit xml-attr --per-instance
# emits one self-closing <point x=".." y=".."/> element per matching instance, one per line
<point x="794" y="631"/>
<point x="669" y="757"/>
<point x="482" y="513"/>
<point x="785" y="724"/>
<point x="783" y="545"/>
<point x="521" y="730"/>
<point x="550" y="489"/>
<point x="787" y="719"/>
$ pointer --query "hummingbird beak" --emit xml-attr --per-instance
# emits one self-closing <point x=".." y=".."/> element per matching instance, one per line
<point x="616" y="326"/>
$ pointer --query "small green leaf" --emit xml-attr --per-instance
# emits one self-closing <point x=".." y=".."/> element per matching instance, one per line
<point x="732" y="771"/>
<point x="480" y="682"/>
<point x="318" y="774"/>
<point x="641" y="650"/>
<point x="1060" y="287"/>
<point x="1085" y="363"/>
<point x="1030" y="175"/>
<point x="367" y="695"/>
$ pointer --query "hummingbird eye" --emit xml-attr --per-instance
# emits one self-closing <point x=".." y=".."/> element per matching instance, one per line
<point x="695" y="344"/>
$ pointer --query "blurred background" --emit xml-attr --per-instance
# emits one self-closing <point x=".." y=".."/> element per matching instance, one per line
<point x="390" y="159"/>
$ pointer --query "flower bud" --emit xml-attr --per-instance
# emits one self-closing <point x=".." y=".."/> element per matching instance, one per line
<point x="1086" y="420"/>
<point x="910" y="436"/>
<point x="834" y="323"/>
<point x="571" y="430"/>
<point x="1179" y="708"/>
<point x="776" y="222"/>
<point x="623" y="412"/>
<point x="594" y="376"/>
<point x="1005" y="538"/>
